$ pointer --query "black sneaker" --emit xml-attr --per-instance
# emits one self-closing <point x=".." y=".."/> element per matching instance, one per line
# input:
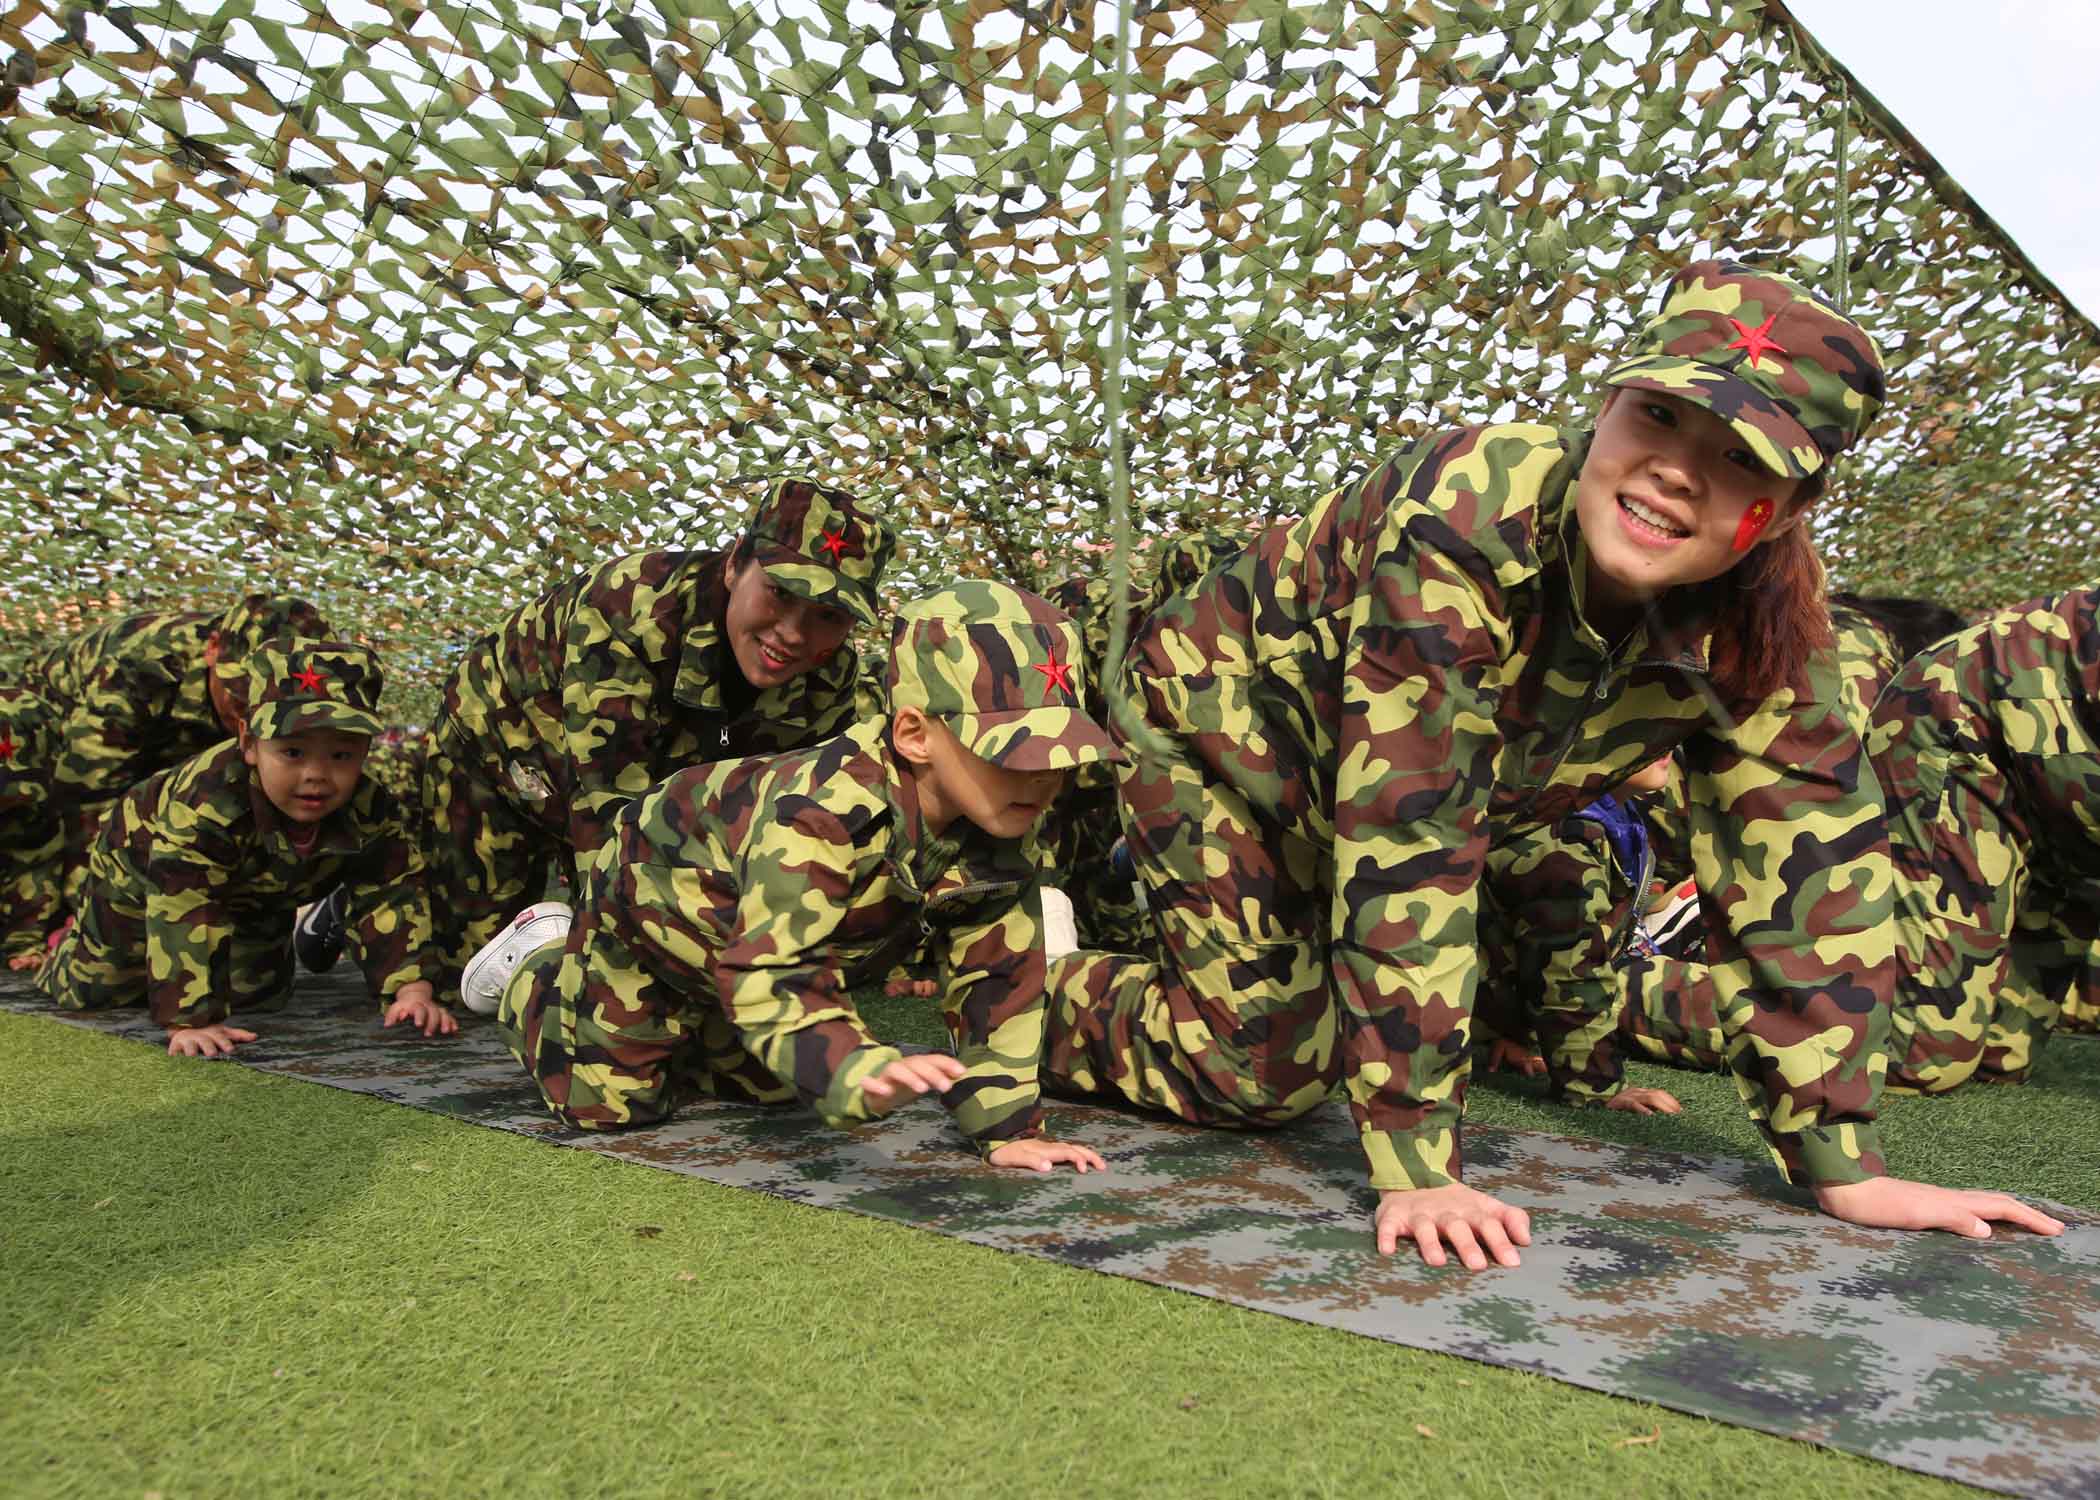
<point x="319" y="936"/>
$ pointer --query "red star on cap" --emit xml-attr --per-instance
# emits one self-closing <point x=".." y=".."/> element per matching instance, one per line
<point x="7" y="744"/>
<point x="1055" y="674"/>
<point x="1756" y="341"/>
<point x="835" y="544"/>
<point x="308" y="679"/>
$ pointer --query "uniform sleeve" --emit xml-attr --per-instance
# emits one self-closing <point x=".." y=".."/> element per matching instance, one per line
<point x="1566" y="909"/>
<point x="1790" y="852"/>
<point x="388" y="916"/>
<point x="608" y="707"/>
<point x="1416" y="752"/>
<point x="993" y="1001"/>
<point x="787" y="1001"/>
<point x="102" y="749"/>
<point x="188" y="929"/>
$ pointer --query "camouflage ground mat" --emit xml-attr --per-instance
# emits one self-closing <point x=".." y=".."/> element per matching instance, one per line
<point x="1696" y="1284"/>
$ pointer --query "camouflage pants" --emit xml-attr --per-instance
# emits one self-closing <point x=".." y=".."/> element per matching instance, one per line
<point x="611" y="1045"/>
<point x="1233" y="1022"/>
<point x="1988" y="941"/>
<point x="486" y="860"/>
<point x="30" y="879"/>
<point x="103" y="962"/>
<point x="1668" y="1012"/>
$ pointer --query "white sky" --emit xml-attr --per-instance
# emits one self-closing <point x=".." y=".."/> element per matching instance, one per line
<point x="2006" y="93"/>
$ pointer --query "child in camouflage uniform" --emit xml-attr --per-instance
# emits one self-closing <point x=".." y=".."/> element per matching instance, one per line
<point x="1561" y="913"/>
<point x="1988" y="747"/>
<point x="32" y="838"/>
<point x="731" y="910"/>
<point x="144" y="693"/>
<point x="608" y="683"/>
<point x="195" y="877"/>
<point x="1492" y="627"/>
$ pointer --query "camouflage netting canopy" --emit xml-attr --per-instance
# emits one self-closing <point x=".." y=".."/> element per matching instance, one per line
<point x="414" y="308"/>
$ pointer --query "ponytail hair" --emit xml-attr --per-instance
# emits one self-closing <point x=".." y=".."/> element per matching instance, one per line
<point x="1773" y="614"/>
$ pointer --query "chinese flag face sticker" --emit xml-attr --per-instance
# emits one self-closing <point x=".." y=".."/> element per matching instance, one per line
<point x="1753" y="524"/>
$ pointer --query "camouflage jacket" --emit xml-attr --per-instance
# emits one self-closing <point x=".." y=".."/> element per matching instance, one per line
<point x="608" y="683"/>
<point x="2019" y="690"/>
<point x="198" y="853"/>
<point x="779" y="883"/>
<point x="32" y="833"/>
<point x="131" y="698"/>
<point x="1868" y="658"/>
<point x="1406" y="675"/>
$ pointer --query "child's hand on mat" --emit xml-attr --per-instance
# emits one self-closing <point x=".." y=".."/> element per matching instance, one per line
<point x="908" y="1077"/>
<point x="414" y="1003"/>
<point x="1040" y="1154"/>
<point x="215" y="1040"/>
<point x="1515" y="1057"/>
<point x="902" y="985"/>
<point x="1893" y="1203"/>
<point x="1645" y="1102"/>
<point x="1467" y="1218"/>
<point x="22" y="961"/>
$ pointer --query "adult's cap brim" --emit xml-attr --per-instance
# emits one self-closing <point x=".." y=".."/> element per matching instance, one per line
<point x="817" y="583"/>
<point x="1780" y="442"/>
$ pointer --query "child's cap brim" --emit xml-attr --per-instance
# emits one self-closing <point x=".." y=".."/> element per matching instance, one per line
<point x="277" y="721"/>
<point x="1034" y="739"/>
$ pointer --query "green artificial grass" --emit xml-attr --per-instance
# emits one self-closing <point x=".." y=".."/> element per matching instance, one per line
<point x="222" y="1283"/>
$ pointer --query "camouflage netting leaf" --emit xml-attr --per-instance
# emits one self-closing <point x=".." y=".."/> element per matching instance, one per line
<point x="417" y="308"/>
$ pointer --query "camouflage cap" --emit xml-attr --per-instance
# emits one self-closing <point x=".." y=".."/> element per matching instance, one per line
<point x="1796" y="378"/>
<point x="822" y="544"/>
<point x="266" y="617"/>
<point x="294" y="686"/>
<point x="1001" y="668"/>
<point x="25" y="731"/>
<point x="1184" y="559"/>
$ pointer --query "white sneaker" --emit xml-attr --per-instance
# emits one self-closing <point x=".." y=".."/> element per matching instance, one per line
<point x="540" y="925"/>
<point x="1060" y="924"/>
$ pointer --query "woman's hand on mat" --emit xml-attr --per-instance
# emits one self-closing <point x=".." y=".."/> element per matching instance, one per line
<point x="1040" y="1154"/>
<point x="1893" y="1203"/>
<point x="215" y="1040"/>
<point x="21" y="961"/>
<point x="1476" y="1225"/>
<point x="908" y="1077"/>
<point x="415" y="1004"/>
<point x="1645" y="1102"/>
<point x="1514" y="1056"/>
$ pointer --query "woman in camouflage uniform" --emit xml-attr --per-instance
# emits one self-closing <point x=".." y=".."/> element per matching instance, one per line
<point x="1489" y="630"/>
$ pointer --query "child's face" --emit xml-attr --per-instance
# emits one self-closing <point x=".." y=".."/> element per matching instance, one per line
<point x="1005" y="804"/>
<point x="1652" y="777"/>
<point x="776" y="635"/>
<point x="1662" y="496"/>
<point x="308" y="775"/>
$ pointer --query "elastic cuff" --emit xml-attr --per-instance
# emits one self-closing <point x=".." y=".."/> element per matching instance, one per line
<point x="1405" y="1159"/>
<point x="844" y="1101"/>
<point x="1829" y="1155"/>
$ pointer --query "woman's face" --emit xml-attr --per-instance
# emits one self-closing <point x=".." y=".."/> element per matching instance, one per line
<point x="776" y="635"/>
<point x="1662" y="497"/>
